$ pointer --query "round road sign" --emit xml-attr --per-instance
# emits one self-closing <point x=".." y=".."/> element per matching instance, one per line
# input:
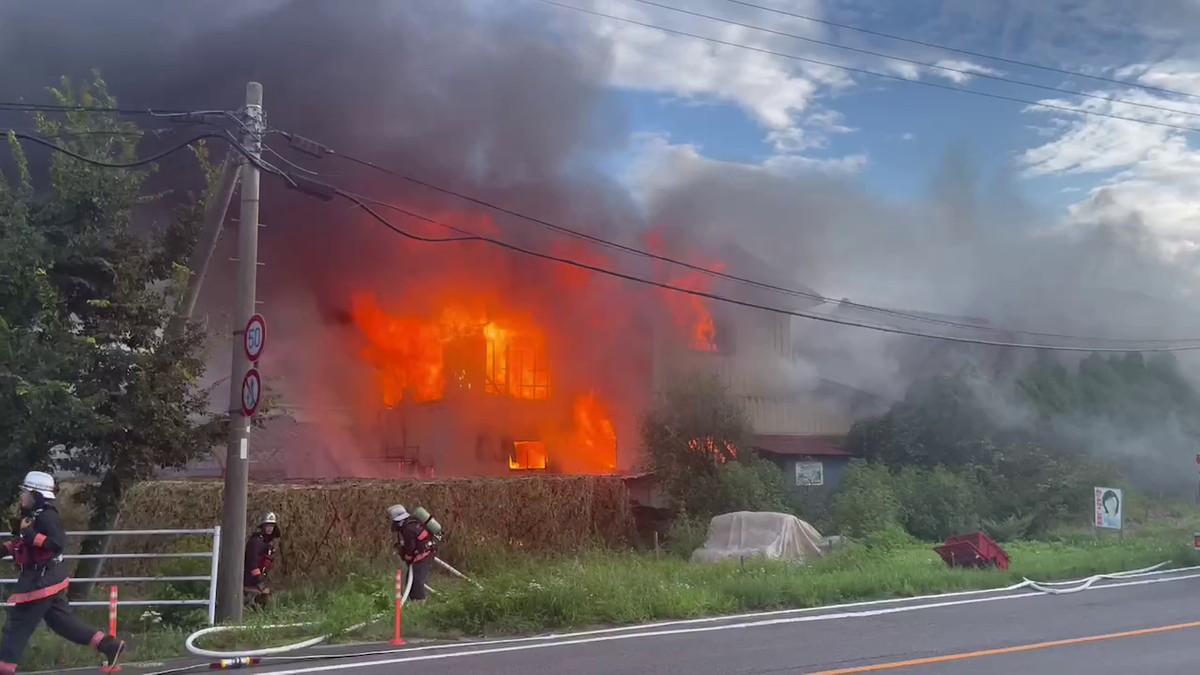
<point x="251" y="392"/>
<point x="254" y="338"/>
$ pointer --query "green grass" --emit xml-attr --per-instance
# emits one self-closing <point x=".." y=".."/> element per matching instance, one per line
<point x="523" y="594"/>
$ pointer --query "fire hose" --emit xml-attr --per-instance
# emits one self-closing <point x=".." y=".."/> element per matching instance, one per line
<point x="190" y="643"/>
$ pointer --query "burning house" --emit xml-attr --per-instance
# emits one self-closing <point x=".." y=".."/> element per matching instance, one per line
<point x="475" y="366"/>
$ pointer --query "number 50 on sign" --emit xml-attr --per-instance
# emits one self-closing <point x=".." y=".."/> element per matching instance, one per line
<point x="255" y="337"/>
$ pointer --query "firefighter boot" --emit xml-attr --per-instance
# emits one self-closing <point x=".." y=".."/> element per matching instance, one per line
<point x="111" y="648"/>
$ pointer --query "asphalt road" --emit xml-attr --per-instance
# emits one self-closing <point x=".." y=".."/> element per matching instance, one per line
<point x="1146" y="626"/>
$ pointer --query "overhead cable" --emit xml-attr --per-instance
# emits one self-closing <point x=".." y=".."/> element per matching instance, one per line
<point x="981" y="55"/>
<point x="924" y="64"/>
<point x="361" y="203"/>
<point x="316" y="149"/>
<point x="874" y="73"/>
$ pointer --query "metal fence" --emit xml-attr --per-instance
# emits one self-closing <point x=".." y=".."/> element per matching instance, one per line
<point x="211" y="578"/>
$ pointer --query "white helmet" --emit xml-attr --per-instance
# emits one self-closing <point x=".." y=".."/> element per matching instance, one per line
<point x="397" y="512"/>
<point x="40" y="482"/>
<point x="268" y="518"/>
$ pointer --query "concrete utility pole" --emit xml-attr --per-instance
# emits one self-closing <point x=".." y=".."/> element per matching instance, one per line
<point x="233" y="521"/>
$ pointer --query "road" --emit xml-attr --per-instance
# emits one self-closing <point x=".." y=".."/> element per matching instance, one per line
<point x="1146" y="626"/>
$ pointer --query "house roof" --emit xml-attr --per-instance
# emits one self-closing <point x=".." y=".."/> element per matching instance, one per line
<point x="779" y="444"/>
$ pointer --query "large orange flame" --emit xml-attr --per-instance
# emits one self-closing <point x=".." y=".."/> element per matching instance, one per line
<point x="595" y="437"/>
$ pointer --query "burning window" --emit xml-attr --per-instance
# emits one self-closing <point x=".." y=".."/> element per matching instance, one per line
<point x="516" y="364"/>
<point x="527" y="455"/>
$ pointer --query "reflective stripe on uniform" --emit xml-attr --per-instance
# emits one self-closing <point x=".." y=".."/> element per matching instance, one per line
<point x="39" y="594"/>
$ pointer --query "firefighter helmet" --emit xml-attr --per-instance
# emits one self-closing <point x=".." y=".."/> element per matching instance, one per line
<point x="397" y="512"/>
<point x="40" y="482"/>
<point x="268" y="519"/>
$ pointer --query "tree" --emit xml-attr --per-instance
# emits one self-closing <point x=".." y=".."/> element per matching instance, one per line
<point x="693" y="431"/>
<point x="106" y="291"/>
<point x="39" y="406"/>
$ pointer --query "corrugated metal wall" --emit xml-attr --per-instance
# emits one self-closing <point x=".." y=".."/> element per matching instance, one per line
<point x="801" y="415"/>
<point x="762" y="345"/>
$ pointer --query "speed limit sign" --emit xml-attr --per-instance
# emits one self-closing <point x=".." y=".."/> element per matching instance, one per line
<point x="255" y="337"/>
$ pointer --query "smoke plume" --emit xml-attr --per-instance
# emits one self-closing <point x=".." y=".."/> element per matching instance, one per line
<point x="499" y="104"/>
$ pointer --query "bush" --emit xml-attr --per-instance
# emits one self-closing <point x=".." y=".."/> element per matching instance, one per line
<point x="1012" y="528"/>
<point x="751" y="484"/>
<point x="686" y="534"/>
<point x="329" y="525"/>
<point x="693" y="432"/>
<point x="938" y="503"/>
<point x="867" y="501"/>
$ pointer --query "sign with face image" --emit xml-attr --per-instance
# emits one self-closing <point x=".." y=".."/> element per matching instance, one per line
<point x="1109" y="505"/>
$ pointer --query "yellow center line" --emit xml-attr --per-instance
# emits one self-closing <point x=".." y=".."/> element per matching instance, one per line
<point x="1005" y="650"/>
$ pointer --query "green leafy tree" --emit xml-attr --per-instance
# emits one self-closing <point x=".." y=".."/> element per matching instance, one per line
<point x="867" y="501"/>
<point x="696" y="440"/>
<point x="938" y="503"/>
<point x="39" y="353"/>
<point x="106" y="290"/>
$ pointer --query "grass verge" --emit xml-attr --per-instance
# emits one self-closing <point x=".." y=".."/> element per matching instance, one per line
<point x="523" y="594"/>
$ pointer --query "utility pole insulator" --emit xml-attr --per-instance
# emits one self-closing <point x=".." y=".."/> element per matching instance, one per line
<point x="308" y="147"/>
<point x="237" y="466"/>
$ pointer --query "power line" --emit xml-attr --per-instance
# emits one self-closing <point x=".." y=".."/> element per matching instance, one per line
<point x="45" y="107"/>
<point x="1001" y="59"/>
<point x="111" y="165"/>
<point x="923" y="64"/>
<point x="723" y="275"/>
<point x="864" y="71"/>
<point x="362" y="203"/>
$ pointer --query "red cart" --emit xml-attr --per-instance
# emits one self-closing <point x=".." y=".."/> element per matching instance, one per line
<point x="972" y="550"/>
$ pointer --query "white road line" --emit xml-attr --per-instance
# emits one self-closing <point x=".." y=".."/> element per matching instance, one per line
<point x="715" y="619"/>
<point x="469" y="650"/>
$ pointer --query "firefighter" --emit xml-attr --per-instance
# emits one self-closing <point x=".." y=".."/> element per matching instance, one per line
<point x="260" y="557"/>
<point x="41" y="588"/>
<point x="415" y="545"/>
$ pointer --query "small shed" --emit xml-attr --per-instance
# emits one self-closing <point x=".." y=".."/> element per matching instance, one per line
<point x="810" y="463"/>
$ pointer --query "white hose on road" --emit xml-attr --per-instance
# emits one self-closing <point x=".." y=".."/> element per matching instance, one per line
<point x="190" y="643"/>
<point x="1048" y="587"/>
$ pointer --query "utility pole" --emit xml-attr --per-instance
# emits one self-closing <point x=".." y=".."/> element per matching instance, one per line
<point x="233" y="521"/>
<point x="214" y="218"/>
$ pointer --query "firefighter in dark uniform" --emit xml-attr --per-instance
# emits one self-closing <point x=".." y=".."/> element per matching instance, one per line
<point x="260" y="557"/>
<point x="415" y="545"/>
<point x="41" y="588"/>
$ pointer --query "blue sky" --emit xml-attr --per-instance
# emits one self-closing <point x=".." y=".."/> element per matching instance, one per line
<point x="740" y="107"/>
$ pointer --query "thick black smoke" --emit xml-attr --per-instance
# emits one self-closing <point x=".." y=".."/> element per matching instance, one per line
<point x="485" y="97"/>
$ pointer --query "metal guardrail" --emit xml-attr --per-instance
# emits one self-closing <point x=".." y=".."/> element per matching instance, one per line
<point x="211" y="578"/>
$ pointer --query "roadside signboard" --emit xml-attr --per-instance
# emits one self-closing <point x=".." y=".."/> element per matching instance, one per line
<point x="1109" y="507"/>
<point x="254" y="338"/>
<point x="251" y="392"/>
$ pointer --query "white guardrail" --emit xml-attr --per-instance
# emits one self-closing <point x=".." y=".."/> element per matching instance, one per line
<point x="211" y="578"/>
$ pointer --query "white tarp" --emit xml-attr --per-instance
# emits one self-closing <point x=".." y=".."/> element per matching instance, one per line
<point x="778" y="536"/>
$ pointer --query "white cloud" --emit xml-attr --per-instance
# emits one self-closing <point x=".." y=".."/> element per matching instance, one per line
<point x="660" y="164"/>
<point x="796" y="164"/>
<point x="960" y="65"/>
<point x="1145" y="172"/>
<point x="773" y="90"/>
<point x="781" y="94"/>
<point x="908" y="136"/>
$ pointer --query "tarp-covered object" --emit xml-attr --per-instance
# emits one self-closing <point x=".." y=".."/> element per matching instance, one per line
<point x="777" y="536"/>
